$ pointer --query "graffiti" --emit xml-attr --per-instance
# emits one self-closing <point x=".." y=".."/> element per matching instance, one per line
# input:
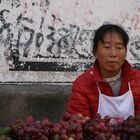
<point x="72" y="42"/>
<point x="66" y="42"/>
<point x="15" y="3"/>
<point x="41" y="24"/>
<point x="51" y="37"/>
<point x="136" y="22"/>
<point x="85" y="40"/>
<point x="135" y="47"/>
<point x="133" y="22"/>
<point x="67" y="46"/>
<point x="39" y="39"/>
<point x="5" y="27"/>
<point x="26" y="32"/>
<point x="47" y="3"/>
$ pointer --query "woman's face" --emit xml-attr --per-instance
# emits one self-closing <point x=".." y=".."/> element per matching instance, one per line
<point x="111" y="54"/>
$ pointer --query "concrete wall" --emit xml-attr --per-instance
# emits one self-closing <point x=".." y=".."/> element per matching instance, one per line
<point x="39" y="100"/>
<point x="46" y="44"/>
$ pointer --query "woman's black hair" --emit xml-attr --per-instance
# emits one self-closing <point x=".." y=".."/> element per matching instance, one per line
<point x="109" y="28"/>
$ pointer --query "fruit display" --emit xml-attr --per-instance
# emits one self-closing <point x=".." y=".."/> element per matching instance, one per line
<point x="30" y="129"/>
<point x="74" y="127"/>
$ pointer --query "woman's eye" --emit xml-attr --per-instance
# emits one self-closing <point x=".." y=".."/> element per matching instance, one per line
<point x="119" y="47"/>
<point x="106" y="46"/>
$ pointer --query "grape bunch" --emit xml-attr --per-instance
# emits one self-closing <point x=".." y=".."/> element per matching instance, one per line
<point x="69" y="128"/>
<point x="29" y="129"/>
<point x="102" y="128"/>
<point x="74" y="127"/>
<point x="129" y="129"/>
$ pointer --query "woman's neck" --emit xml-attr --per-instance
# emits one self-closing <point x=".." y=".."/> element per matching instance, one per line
<point x="113" y="78"/>
<point x="110" y="74"/>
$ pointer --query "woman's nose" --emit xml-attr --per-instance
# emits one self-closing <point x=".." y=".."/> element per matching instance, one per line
<point x="113" y="52"/>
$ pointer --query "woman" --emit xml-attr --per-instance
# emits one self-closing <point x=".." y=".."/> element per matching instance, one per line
<point x="111" y="86"/>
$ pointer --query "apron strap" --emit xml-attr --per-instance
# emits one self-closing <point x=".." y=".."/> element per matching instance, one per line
<point x="98" y="88"/>
<point x="129" y="86"/>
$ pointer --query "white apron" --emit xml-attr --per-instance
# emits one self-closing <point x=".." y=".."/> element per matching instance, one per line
<point x="119" y="106"/>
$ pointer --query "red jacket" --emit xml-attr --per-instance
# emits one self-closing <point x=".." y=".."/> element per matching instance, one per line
<point x="85" y="96"/>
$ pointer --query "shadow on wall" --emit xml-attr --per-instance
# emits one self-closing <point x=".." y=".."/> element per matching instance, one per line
<point x="39" y="100"/>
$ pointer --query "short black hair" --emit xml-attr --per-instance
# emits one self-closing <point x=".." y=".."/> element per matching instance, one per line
<point x="99" y="33"/>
